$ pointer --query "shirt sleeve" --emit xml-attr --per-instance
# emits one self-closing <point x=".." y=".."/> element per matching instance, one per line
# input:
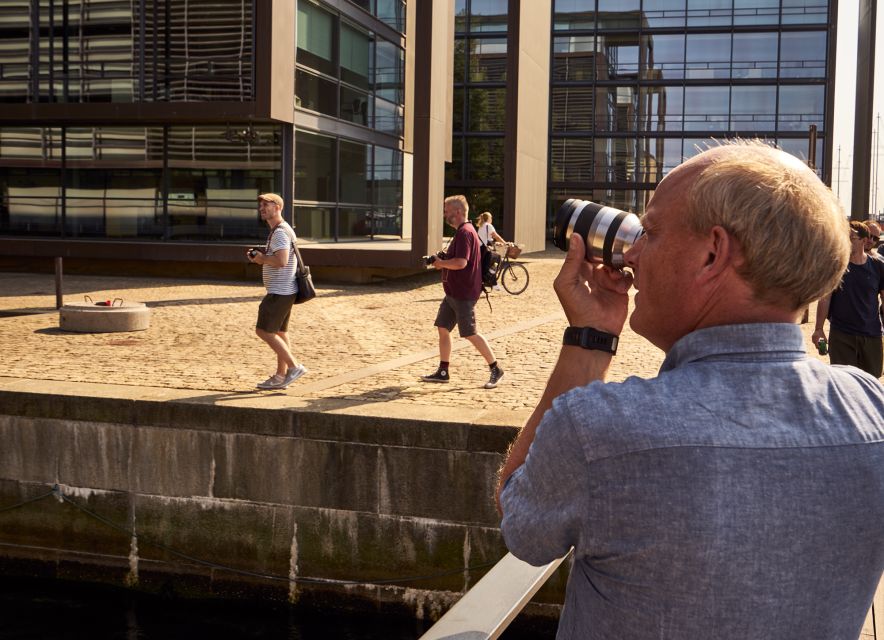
<point x="280" y="240"/>
<point x="544" y="501"/>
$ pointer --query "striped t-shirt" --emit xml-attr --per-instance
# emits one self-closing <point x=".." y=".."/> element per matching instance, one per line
<point x="281" y="280"/>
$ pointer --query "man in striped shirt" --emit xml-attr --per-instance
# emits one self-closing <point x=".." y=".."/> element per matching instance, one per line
<point x="279" y="264"/>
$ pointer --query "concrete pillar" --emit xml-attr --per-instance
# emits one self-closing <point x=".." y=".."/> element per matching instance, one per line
<point x="433" y="95"/>
<point x="527" y="128"/>
<point x="862" y="133"/>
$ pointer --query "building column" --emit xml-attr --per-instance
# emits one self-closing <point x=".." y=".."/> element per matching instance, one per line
<point x="526" y="147"/>
<point x="433" y="77"/>
<point x="862" y="133"/>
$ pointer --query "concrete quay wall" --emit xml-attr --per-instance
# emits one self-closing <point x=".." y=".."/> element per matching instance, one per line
<point x="326" y="503"/>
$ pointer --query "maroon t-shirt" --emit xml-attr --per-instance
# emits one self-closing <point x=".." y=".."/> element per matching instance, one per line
<point x="466" y="283"/>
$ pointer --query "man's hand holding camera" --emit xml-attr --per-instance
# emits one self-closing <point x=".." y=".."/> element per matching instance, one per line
<point x="256" y="255"/>
<point x="591" y="294"/>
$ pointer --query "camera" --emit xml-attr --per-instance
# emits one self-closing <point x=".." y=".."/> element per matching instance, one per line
<point x="607" y="232"/>
<point x="428" y="260"/>
<point x="255" y="251"/>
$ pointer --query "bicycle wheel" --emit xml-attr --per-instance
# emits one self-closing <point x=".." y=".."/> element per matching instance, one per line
<point x="514" y="278"/>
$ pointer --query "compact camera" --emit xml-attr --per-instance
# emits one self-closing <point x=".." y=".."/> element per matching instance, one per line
<point x="255" y="251"/>
<point x="608" y="232"/>
<point x="428" y="260"/>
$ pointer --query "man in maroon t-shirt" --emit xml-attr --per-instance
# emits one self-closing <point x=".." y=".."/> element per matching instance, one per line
<point x="462" y="280"/>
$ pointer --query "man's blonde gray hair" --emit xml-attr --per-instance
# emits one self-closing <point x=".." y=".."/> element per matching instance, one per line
<point x="460" y="201"/>
<point x="789" y="225"/>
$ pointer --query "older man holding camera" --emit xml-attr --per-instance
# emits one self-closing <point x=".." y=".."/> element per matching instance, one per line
<point x="740" y="492"/>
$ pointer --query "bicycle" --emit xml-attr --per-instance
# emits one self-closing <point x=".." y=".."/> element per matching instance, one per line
<point x="513" y="276"/>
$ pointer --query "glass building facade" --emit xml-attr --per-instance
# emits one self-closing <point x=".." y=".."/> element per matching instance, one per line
<point x="348" y="179"/>
<point x="637" y="86"/>
<point x="479" y="118"/>
<point x="138" y="170"/>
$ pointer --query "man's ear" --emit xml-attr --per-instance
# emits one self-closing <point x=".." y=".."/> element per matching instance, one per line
<point x="722" y="252"/>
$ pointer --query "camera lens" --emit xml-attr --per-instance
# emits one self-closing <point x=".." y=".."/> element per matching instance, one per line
<point x="608" y="232"/>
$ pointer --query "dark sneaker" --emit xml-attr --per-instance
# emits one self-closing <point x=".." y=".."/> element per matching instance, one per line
<point x="441" y="375"/>
<point x="496" y="375"/>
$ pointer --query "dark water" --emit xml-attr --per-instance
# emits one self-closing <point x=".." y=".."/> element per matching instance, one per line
<point x="72" y="611"/>
<point x="50" y="610"/>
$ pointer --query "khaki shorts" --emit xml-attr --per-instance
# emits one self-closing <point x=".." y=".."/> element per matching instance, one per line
<point x="274" y="312"/>
<point x="457" y="312"/>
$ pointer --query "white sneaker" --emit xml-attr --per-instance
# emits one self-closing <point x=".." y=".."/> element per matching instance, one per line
<point x="272" y="382"/>
<point x="291" y="375"/>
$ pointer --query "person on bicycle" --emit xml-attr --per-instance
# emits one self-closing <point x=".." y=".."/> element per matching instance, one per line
<point x="487" y="237"/>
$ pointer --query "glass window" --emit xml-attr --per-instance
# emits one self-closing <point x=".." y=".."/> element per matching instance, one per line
<point x="619" y="14"/>
<point x="314" y="167"/>
<point x="574" y="58"/>
<point x="614" y="159"/>
<point x="316" y="38"/>
<point x="389" y="81"/>
<point x="30" y="195"/>
<point x="460" y="60"/>
<point x="316" y="93"/>
<point x="755" y="55"/>
<point x="805" y="11"/>
<point x="487" y="109"/>
<point x="454" y="170"/>
<point x="484" y="158"/>
<point x="574" y="15"/>
<point x="695" y="146"/>
<point x="756" y="12"/>
<point x="316" y="223"/>
<point x="657" y="157"/>
<point x="571" y="160"/>
<point x="388" y="117"/>
<point x="753" y="108"/>
<point x="366" y="5"/>
<point x="664" y="13"/>
<point x="488" y="15"/>
<point x="573" y="109"/>
<point x="664" y="59"/>
<point x="355" y="106"/>
<point x="800" y="107"/>
<point x="392" y="13"/>
<point x="487" y="59"/>
<point x="706" y="108"/>
<point x="354" y="167"/>
<point x="803" y="54"/>
<point x="357" y="49"/>
<point x="460" y="16"/>
<point x="709" y="13"/>
<point x="708" y="55"/>
<point x="354" y="223"/>
<point x="387" y="177"/>
<point x="458" y="115"/>
<point x="661" y="109"/>
<point x="620" y="53"/>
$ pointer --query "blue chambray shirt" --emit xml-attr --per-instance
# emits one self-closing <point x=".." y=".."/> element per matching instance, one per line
<point x="739" y="494"/>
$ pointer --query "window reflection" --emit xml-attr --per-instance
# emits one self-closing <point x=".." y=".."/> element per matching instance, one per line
<point x="664" y="13"/>
<point x="488" y="15"/>
<point x="314" y="167"/>
<point x="755" y="55"/>
<point x="487" y="59"/>
<point x="487" y="108"/>
<point x="664" y="59"/>
<point x="800" y="107"/>
<point x="708" y="55"/>
<point x="803" y="54"/>
<point x="574" y="58"/>
<point x="483" y="158"/>
<point x="753" y="108"/>
<point x="706" y="108"/>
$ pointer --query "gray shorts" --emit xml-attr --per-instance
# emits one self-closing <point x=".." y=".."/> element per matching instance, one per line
<point x="274" y="312"/>
<point x="457" y="312"/>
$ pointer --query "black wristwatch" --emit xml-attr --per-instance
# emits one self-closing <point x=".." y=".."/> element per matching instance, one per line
<point x="589" y="338"/>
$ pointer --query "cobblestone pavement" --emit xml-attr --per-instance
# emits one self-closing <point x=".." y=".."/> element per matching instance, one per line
<point x="362" y="343"/>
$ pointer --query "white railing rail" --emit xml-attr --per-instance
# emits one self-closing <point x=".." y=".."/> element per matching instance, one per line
<point x="487" y="609"/>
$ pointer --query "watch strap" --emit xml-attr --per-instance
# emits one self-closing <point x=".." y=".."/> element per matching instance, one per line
<point x="590" y="338"/>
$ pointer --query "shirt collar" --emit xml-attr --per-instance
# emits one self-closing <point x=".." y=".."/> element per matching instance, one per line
<point x="738" y="341"/>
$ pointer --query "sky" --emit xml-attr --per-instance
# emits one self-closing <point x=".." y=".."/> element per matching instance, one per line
<point x="845" y="99"/>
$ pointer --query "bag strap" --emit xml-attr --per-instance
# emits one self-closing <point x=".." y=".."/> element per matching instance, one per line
<point x="300" y="269"/>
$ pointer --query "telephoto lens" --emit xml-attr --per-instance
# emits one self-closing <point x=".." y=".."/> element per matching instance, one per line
<point x="607" y="232"/>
